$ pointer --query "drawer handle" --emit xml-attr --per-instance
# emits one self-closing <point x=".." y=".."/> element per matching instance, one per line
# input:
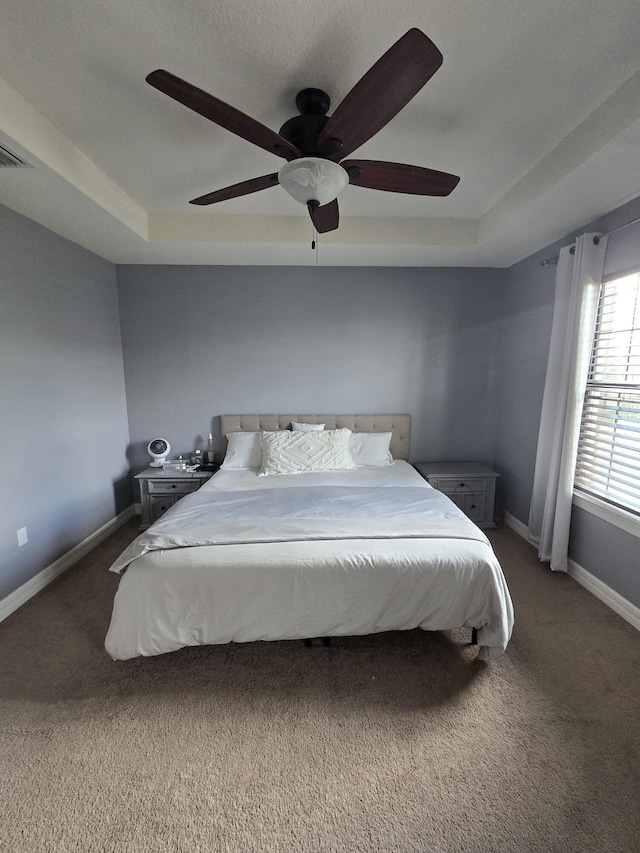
<point x="174" y="485"/>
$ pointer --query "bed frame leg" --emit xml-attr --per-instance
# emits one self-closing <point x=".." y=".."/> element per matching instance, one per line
<point x="474" y="636"/>
<point x="309" y="641"/>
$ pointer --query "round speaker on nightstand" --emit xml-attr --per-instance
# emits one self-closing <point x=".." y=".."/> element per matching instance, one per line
<point x="158" y="449"/>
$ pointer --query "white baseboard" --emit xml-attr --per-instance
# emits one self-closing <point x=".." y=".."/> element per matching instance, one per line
<point x="520" y="528"/>
<point x="609" y="596"/>
<point x="594" y="585"/>
<point x="21" y="595"/>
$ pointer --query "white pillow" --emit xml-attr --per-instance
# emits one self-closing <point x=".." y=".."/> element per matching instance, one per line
<point x="286" y="452"/>
<point x="244" y="450"/>
<point x="371" y="448"/>
<point x="306" y="427"/>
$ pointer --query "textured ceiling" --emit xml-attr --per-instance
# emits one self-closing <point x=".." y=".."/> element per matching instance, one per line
<point x="536" y="107"/>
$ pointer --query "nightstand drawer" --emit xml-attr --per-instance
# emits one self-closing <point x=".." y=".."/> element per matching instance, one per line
<point x="169" y="487"/>
<point x="474" y="506"/>
<point x="157" y="505"/>
<point x="160" y="489"/>
<point x="448" y="484"/>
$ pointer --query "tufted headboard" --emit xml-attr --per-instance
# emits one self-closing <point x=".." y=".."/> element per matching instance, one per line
<point x="398" y="425"/>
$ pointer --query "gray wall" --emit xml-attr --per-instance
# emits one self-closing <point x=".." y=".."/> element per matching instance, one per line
<point x="63" y="428"/>
<point x="527" y="314"/>
<point x="203" y="341"/>
<point x="606" y="551"/>
<point x="463" y="351"/>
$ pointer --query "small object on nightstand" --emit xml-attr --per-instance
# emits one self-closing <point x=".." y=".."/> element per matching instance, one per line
<point x="158" y="449"/>
<point x="470" y="485"/>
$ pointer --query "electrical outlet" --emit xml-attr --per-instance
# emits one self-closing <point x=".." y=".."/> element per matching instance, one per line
<point x="22" y="537"/>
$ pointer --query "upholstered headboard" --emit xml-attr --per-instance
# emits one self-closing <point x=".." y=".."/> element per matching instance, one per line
<point x="398" y="425"/>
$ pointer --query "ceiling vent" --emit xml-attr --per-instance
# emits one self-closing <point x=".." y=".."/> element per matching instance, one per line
<point x="10" y="159"/>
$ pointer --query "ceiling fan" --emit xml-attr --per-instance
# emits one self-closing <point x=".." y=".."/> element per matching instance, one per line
<point x="314" y="144"/>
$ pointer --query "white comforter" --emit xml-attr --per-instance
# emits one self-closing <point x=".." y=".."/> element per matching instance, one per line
<point x="293" y="556"/>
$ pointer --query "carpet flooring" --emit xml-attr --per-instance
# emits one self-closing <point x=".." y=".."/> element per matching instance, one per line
<point x="398" y="742"/>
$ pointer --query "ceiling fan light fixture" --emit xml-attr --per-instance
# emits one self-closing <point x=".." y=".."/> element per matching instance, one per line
<point x="309" y="179"/>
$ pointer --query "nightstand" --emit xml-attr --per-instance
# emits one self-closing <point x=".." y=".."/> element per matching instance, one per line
<point x="470" y="485"/>
<point x="160" y="488"/>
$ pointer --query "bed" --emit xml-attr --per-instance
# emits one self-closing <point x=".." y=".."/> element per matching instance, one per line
<point x="319" y="553"/>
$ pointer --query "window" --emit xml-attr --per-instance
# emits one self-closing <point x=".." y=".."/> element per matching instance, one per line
<point x="608" y="464"/>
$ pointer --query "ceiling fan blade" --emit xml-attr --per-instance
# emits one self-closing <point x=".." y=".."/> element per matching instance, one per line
<point x="399" y="177"/>
<point x="383" y="91"/>
<point x="222" y="114"/>
<point x="325" y="218"/>
<point x="235" y="191"/>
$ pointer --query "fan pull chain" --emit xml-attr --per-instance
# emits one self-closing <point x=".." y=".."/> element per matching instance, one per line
<point x="314" y="241"/>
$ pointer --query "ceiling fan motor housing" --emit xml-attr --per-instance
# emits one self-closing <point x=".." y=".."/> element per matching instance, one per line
<point x="303" y="130"/>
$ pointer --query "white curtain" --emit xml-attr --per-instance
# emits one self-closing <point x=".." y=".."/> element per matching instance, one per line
<point x="578" y="280"/>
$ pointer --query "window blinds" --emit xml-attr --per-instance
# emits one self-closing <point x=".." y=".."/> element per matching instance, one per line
<point x="608" y="463"/>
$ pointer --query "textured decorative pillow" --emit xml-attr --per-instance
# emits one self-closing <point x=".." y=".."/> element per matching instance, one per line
<point x="287" y="452"/>
<point x="371" y="448"/>
<point x="244" y="450"/>
<point x="306" y="427"/>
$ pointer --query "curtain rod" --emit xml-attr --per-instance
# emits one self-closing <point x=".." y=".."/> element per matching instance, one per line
<point x="546" y="261"/>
